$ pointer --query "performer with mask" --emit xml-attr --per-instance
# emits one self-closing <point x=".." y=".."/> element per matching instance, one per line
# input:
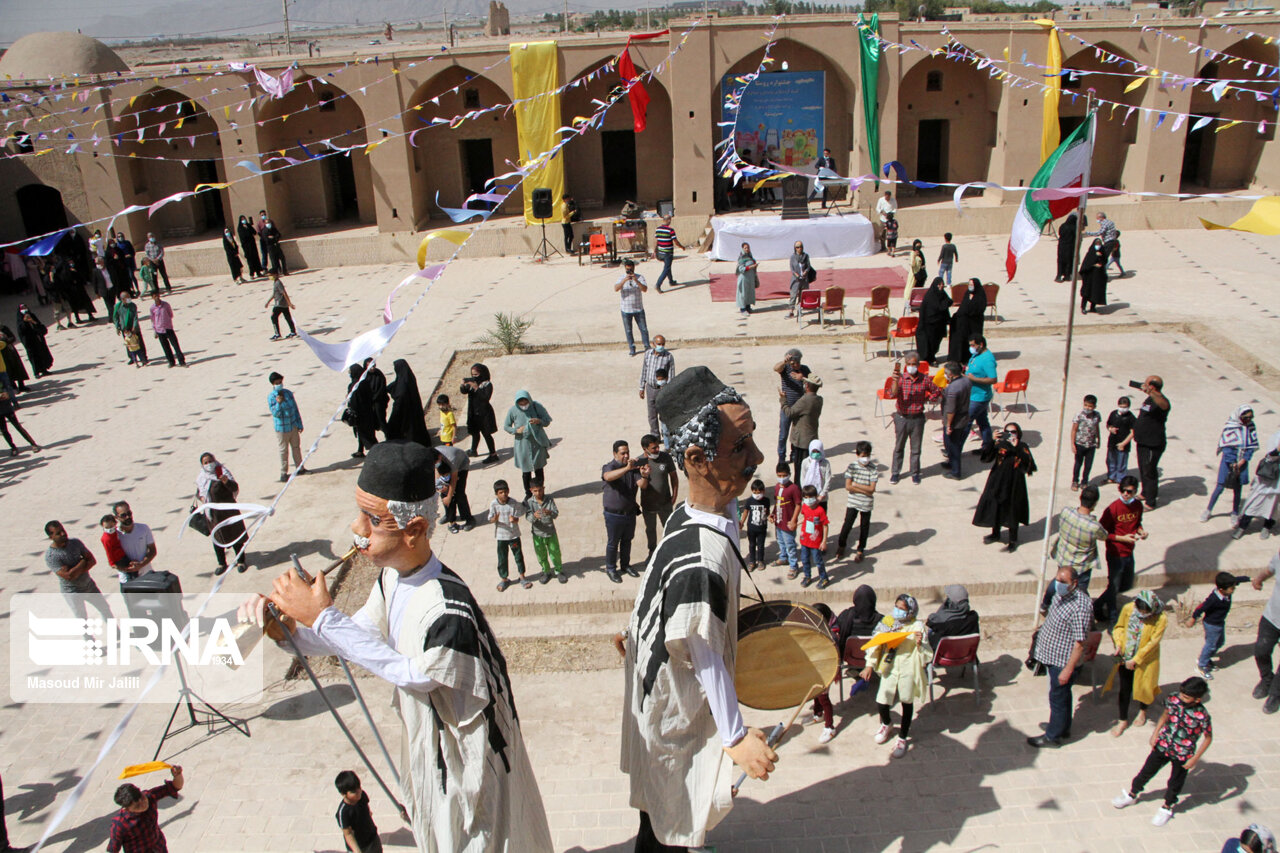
<point x="682" y="731"/>
<point x="466" y="777"/>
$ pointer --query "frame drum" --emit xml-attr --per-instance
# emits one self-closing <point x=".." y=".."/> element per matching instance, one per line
<point x="784" y="649"/>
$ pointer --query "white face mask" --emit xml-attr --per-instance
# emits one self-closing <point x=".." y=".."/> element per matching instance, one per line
<point x="659" y="382"/>
<point x="758" y="495"/>
<point x="810" y="501"/>
<point x="784" y="480"/>
<point x="210" y="467"/>
<point x="864" y="460"/>
<point x="1123" y="410"/>
<point x="912" y="369"/>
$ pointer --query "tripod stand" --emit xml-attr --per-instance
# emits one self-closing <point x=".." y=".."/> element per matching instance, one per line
<point x="186" y="694"/>
<point x="545" y="249"/>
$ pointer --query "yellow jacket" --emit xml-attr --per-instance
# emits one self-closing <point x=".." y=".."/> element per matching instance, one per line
<point x="1146" y="673"/>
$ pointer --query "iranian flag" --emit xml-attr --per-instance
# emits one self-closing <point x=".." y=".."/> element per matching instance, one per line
<point x="1065" y="168"/>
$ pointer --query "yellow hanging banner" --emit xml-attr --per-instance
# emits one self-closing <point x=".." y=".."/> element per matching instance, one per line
<point x="535" y="75"/>
<point x="1050" y="133"/>
<point x="1262" y="218"/>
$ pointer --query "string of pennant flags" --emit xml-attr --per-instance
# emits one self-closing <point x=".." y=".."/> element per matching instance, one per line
<point x="730" y="163"/>
<point x="1212" y="55"/>
<point x="372" y="343"/>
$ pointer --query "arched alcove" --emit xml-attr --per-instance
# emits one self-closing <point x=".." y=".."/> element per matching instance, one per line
<point x="947" y="116"/>
<point x="1116" y="129"/>
<point x="1229" y="159"/>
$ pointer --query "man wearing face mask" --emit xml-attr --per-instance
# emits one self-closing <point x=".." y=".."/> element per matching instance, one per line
<point x="1149" y="436"/>
<point x="1059" y="645"/>
<point x="982" y="372"/>
<point x="910" y="393"/>
<point x="467" y="781"/>
<point x="658" y="497"/>
<point x="682" y="731"/>
<point x="656" y="359"/>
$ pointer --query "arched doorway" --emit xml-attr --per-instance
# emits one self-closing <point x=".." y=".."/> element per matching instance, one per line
<point x="178" y="150"/>
<point x="1116" y="130"/>
<point x="1229" y="160"/>
<point x="457" y="161"/>
<point x="41" y="208"/>
<point x="839" y="90"/>
<point x="947" y="116"/>
<point x="614" y="164"/>
<point x="322" y="190"/>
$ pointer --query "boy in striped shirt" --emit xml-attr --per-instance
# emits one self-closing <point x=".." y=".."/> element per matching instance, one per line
<point x="664" y="243"/>
<point x="860" y="482"/>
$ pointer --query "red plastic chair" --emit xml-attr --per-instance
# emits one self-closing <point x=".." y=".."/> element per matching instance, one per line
<point x="877" y="332"/>
<point x="1015" y="383"/>
<point x="905" y="329"/>
<point x="597" y="248"/>
<point x="917" y="299"/>
<point x="810" y="300"/>
<point x="956" y="651"/>
<point x="882" y="394"/>
<point x="854" y="660"/>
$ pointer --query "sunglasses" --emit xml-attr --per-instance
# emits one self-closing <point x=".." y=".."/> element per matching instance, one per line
<point x="124" y="515"/>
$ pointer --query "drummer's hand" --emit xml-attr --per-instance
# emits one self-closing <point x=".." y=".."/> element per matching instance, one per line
<point x="620" y="643"/>
<point x="254" y="610"/>
<point x="753" y="754"/>
<point x="301" y="600"/>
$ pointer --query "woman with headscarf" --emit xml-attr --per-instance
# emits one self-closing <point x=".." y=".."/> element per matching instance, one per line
<point x="13" y="365"/>
<point x="801" y="274"/>
<point x="857" y="623"/>
<point x="1093" y="278"/>
<point x="368" y="404"/>
<point x="919" y="266"/>
<point x="1137" y="635"/>
<point x="1237" y="443"/>
<point x="481" y="421"/>
<point x="407" y="419"/>
<point x="900" y="663"/>
<point x="249" y="243"/>
<point x="1066" y="247"/>
<point x="935" y="316"/>
<point x="32" y="333"/>
<point x="1004" y="498"/>
<point x="1263" y="498"/>
<point x="233" y="256"/>
<point x="967" y="322"/>
<point x="748" y="281"/>
<point x="527" y="421"/>
<point x="1256" y="838"/>
<point x="215" y="484"/>
<point x="953" y="618"/>
<point x="815" y="470"/>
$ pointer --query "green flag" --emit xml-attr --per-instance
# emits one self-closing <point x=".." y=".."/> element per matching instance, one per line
<point x="870" y="53"/>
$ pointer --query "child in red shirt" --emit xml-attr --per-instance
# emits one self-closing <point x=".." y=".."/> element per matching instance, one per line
<point x="812" y="521"/>
<point x="1122" y="518"/>
<point x="111" y="543"/>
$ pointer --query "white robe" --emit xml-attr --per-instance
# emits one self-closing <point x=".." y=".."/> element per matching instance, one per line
<point x="671" y="746"/>
<point x="466" y="778"/>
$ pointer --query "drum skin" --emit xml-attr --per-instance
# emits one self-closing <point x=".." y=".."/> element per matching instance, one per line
<point x="784" y="649"/>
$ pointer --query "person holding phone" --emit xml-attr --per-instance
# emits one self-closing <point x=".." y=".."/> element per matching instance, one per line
<point x="629" y="287"/>
<point x="1149" y="436"/>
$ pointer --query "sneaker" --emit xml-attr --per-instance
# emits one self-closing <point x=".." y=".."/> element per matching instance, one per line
<point x="1271" y="705"/>
<point x="823" y="583"/>
<point x="1265" y="534"/>
<point x="805" y="583"/>
<point x="613" y="575"/>
<point x="470" y="525"/>
<point x="562" y="577"/>
<point x="1235" y="519"/>
<point x="242" y="567"/>
<point x="882" y="734"/>
<point x="900" y="749"/>
<point x="827" y="735"/>
<point x="1162" y="816"/>
<point x="915" y="479"/>
<point x="546" y="576"/>
<point x="454" y="528"/>
<point x="284" y="478"/>
<point x="291" y="335"/>
<point x="1206" y="515"/>
<point x="275" y="337"/>
<point x="1238" y="533"/>
<point x="893" y="481"/>
<point x="1205" y="673"/>
<point x="219" y="570"/>
<point x="1262" y="688"/>
<point x="1124" y="800"/>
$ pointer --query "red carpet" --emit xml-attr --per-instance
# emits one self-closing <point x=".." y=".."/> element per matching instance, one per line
<point x="857" y="283"/>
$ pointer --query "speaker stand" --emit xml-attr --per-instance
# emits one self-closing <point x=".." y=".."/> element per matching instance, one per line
<point x="212" y="714"/>
<point x="545" y="250"/>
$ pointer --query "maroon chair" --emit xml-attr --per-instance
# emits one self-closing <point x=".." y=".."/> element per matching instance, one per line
<point x="855" y="660"/>
<point x="956" y="651"/>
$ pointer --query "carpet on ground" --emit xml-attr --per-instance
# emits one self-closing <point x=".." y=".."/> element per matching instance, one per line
<point x="857" y="283"/>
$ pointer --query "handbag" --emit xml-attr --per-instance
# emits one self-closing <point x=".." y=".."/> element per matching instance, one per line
<point x="1269" y="467"/>
<point x="810" y="275"/>
<point x="349" y="416"/>
<point x="199" y="522"/>
<point x="1232" y="480"/>
<point x="1034" y="666"/>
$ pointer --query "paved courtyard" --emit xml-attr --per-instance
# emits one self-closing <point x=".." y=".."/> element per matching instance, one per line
<point x="1199" y="310"/>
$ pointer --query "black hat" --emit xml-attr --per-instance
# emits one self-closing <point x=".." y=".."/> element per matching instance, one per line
<point x="680" y="400"/>
<point x="399" y="471"/>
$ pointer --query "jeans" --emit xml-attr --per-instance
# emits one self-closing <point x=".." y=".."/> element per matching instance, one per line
<point x="1119" y="579"/>
<point x="1117" y="464"/>
<point x="1060" y="702"/>
<point x="621" y="530"/>
<point x="289" y="440"/>
<point x="666" y="258"/>
<point x="1268" y="636"/>
<point x="276" y="314"/>
<point x="1214" y="636"/>
<point x="1084" y="462"/>
<point x="811" y="556"/>
<point x="904" y="427"/>
<point x="637" y="317"/>
<point x="1223" y="468"/>
<point x="787" y="548"/>
<point x="944" y="271"/>
<point x="755" y="544"/>
<point x="169" y="343"/>
<point x="850" y="514"/>
<point x="1155" y="761"/>
<point x="654" y="522"/>
<point x="568" y="237"/>
<point x="784" y="429"/>
<point x="1149" y="471"/>
<point x="953" y="441"/>
<point x="459" y="508"/>
<point x="978" y="415"/>
<point x="547" y="550"/>
<point x="512" y="545"/>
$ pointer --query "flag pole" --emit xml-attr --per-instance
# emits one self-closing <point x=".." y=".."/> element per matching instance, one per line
<point x="1066" y="364"/>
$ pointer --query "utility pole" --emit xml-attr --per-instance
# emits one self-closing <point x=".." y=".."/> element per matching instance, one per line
<point x="444" y="10"/>
<point x="564" y="22"/>
<point x="288" y="42"/>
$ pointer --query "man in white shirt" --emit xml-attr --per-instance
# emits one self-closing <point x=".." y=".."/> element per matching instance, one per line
<point x="682" y="732"/>
<point x="629" y="287"/>
<point x="136" y="540"/>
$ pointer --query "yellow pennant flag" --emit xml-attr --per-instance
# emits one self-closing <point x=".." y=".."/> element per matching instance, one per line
<point x="1223" y="127"/>
<point x="210" y="187"/>
<point x="452" y="235"/>
<point x="1135" y="84"/>
<point x="1263" y="218"/>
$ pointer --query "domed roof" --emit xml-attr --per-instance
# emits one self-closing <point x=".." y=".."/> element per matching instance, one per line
<point x="43" y="55"/>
